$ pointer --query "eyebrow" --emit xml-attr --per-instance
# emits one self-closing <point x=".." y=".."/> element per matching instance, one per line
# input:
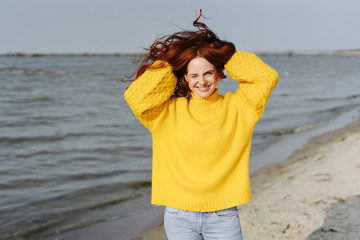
<point x="210" y="70"/>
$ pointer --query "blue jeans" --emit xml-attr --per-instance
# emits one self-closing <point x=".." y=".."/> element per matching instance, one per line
<point x="187" y="225"/>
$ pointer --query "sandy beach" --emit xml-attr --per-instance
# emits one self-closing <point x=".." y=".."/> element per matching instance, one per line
<point x="315" y="194"/>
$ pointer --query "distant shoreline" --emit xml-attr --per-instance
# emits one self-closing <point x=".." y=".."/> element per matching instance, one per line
<point x="75" y="54"/>
<point x="312" y="52"/>
<point x="90" y="54"/>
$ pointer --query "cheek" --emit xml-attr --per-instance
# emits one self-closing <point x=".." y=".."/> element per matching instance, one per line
<point x="191" y="85"/>
<point x="214" y="80"/>
<point x="189" y="82"/>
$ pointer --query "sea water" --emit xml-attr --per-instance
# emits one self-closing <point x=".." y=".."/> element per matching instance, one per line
<point x="72" y="153"/>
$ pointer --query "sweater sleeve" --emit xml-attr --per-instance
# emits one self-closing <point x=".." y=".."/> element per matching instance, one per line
<point x="147" y="94"/>
<point x="256" y="79"/>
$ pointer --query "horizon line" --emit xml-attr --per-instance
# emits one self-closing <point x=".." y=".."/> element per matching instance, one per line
<point x="89" y="53"/>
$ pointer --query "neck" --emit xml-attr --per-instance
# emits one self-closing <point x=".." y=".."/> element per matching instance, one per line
<point x="213" y="97"/>
<point x="200" y="103"/>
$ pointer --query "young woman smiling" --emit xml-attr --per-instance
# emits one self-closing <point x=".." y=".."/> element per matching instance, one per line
<point x="201" y="140"/>
<point x="201" y="76"/>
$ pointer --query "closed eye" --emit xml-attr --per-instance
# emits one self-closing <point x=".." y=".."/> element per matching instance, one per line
<point x="208" y="73"/>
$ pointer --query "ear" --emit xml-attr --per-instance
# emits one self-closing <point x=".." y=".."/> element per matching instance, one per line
<point x="220" y="75"/>
<point x="185" y="77"/>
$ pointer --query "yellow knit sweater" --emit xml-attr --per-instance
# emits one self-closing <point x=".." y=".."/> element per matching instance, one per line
<point x="201" y="147"/>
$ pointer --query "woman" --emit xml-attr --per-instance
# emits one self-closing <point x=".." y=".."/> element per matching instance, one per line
<point x="201" y="140"/>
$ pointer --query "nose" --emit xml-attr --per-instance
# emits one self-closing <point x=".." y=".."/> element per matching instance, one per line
<point x="202" y="80"/>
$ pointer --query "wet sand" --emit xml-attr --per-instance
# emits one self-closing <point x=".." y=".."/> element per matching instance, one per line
<point x="292" y="199"/>
<point x="314" y="194"/>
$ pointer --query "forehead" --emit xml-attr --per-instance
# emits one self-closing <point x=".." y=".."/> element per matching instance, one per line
<point x="199" y="64"/>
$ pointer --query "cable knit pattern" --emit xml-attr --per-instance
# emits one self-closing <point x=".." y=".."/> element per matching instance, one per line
<point x="257" y="80"/>
<point x="201" y="146"/>
<point x="147" y="94"/>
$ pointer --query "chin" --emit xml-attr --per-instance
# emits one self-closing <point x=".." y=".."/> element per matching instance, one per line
<point x="204" y="94"/>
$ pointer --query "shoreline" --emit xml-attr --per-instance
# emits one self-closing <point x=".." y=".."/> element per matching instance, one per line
<point x="296" y="198"/>
<point x="302" y="190"/>
<point x="305" y="113"/>
<point x="148" y="225"/>
<point x="287" y="145"/>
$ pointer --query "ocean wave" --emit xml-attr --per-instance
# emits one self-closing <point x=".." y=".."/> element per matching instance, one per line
<point x="28" y="183"/>
<point x="17" y="140"/>
<point x="136" y="185"/>
<point x="323" y="99"/>
<point x="114" y="151"/>
<point x="30" y="122"/>
<point x="41" y="152"/>
<point x="35" y="119"/>
<point x="31" y="100"/>
<point x="117" y="201"/>
<point x="299" y="129"/>
<point x="98" y="134"/>
<point x="91" y="176"/>
<point x="354" y="96"/>
<point x="326" y="99"/>
<point x="125" y="151"/>
<point x="25" y="183"/>
<point x="53" y="138"/>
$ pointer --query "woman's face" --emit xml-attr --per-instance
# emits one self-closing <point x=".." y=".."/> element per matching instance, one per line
<point x="201" y="76"/>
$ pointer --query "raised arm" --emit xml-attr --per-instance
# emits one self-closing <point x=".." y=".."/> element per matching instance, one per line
<point x="256" y="79"/>
<point x="146" y="95"/>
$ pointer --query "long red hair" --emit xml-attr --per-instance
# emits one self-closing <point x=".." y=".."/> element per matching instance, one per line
<point x="180" y="48"/>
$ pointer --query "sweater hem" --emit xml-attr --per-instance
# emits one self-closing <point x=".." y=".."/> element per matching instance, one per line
<point x="205" y="205"/>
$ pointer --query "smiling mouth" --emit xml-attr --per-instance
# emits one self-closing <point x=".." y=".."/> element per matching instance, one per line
<point x="204" y="89"/>
<point x="206" y="86"/>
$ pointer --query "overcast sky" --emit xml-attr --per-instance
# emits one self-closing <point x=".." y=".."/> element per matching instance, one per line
<point x="129" y="25"/>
